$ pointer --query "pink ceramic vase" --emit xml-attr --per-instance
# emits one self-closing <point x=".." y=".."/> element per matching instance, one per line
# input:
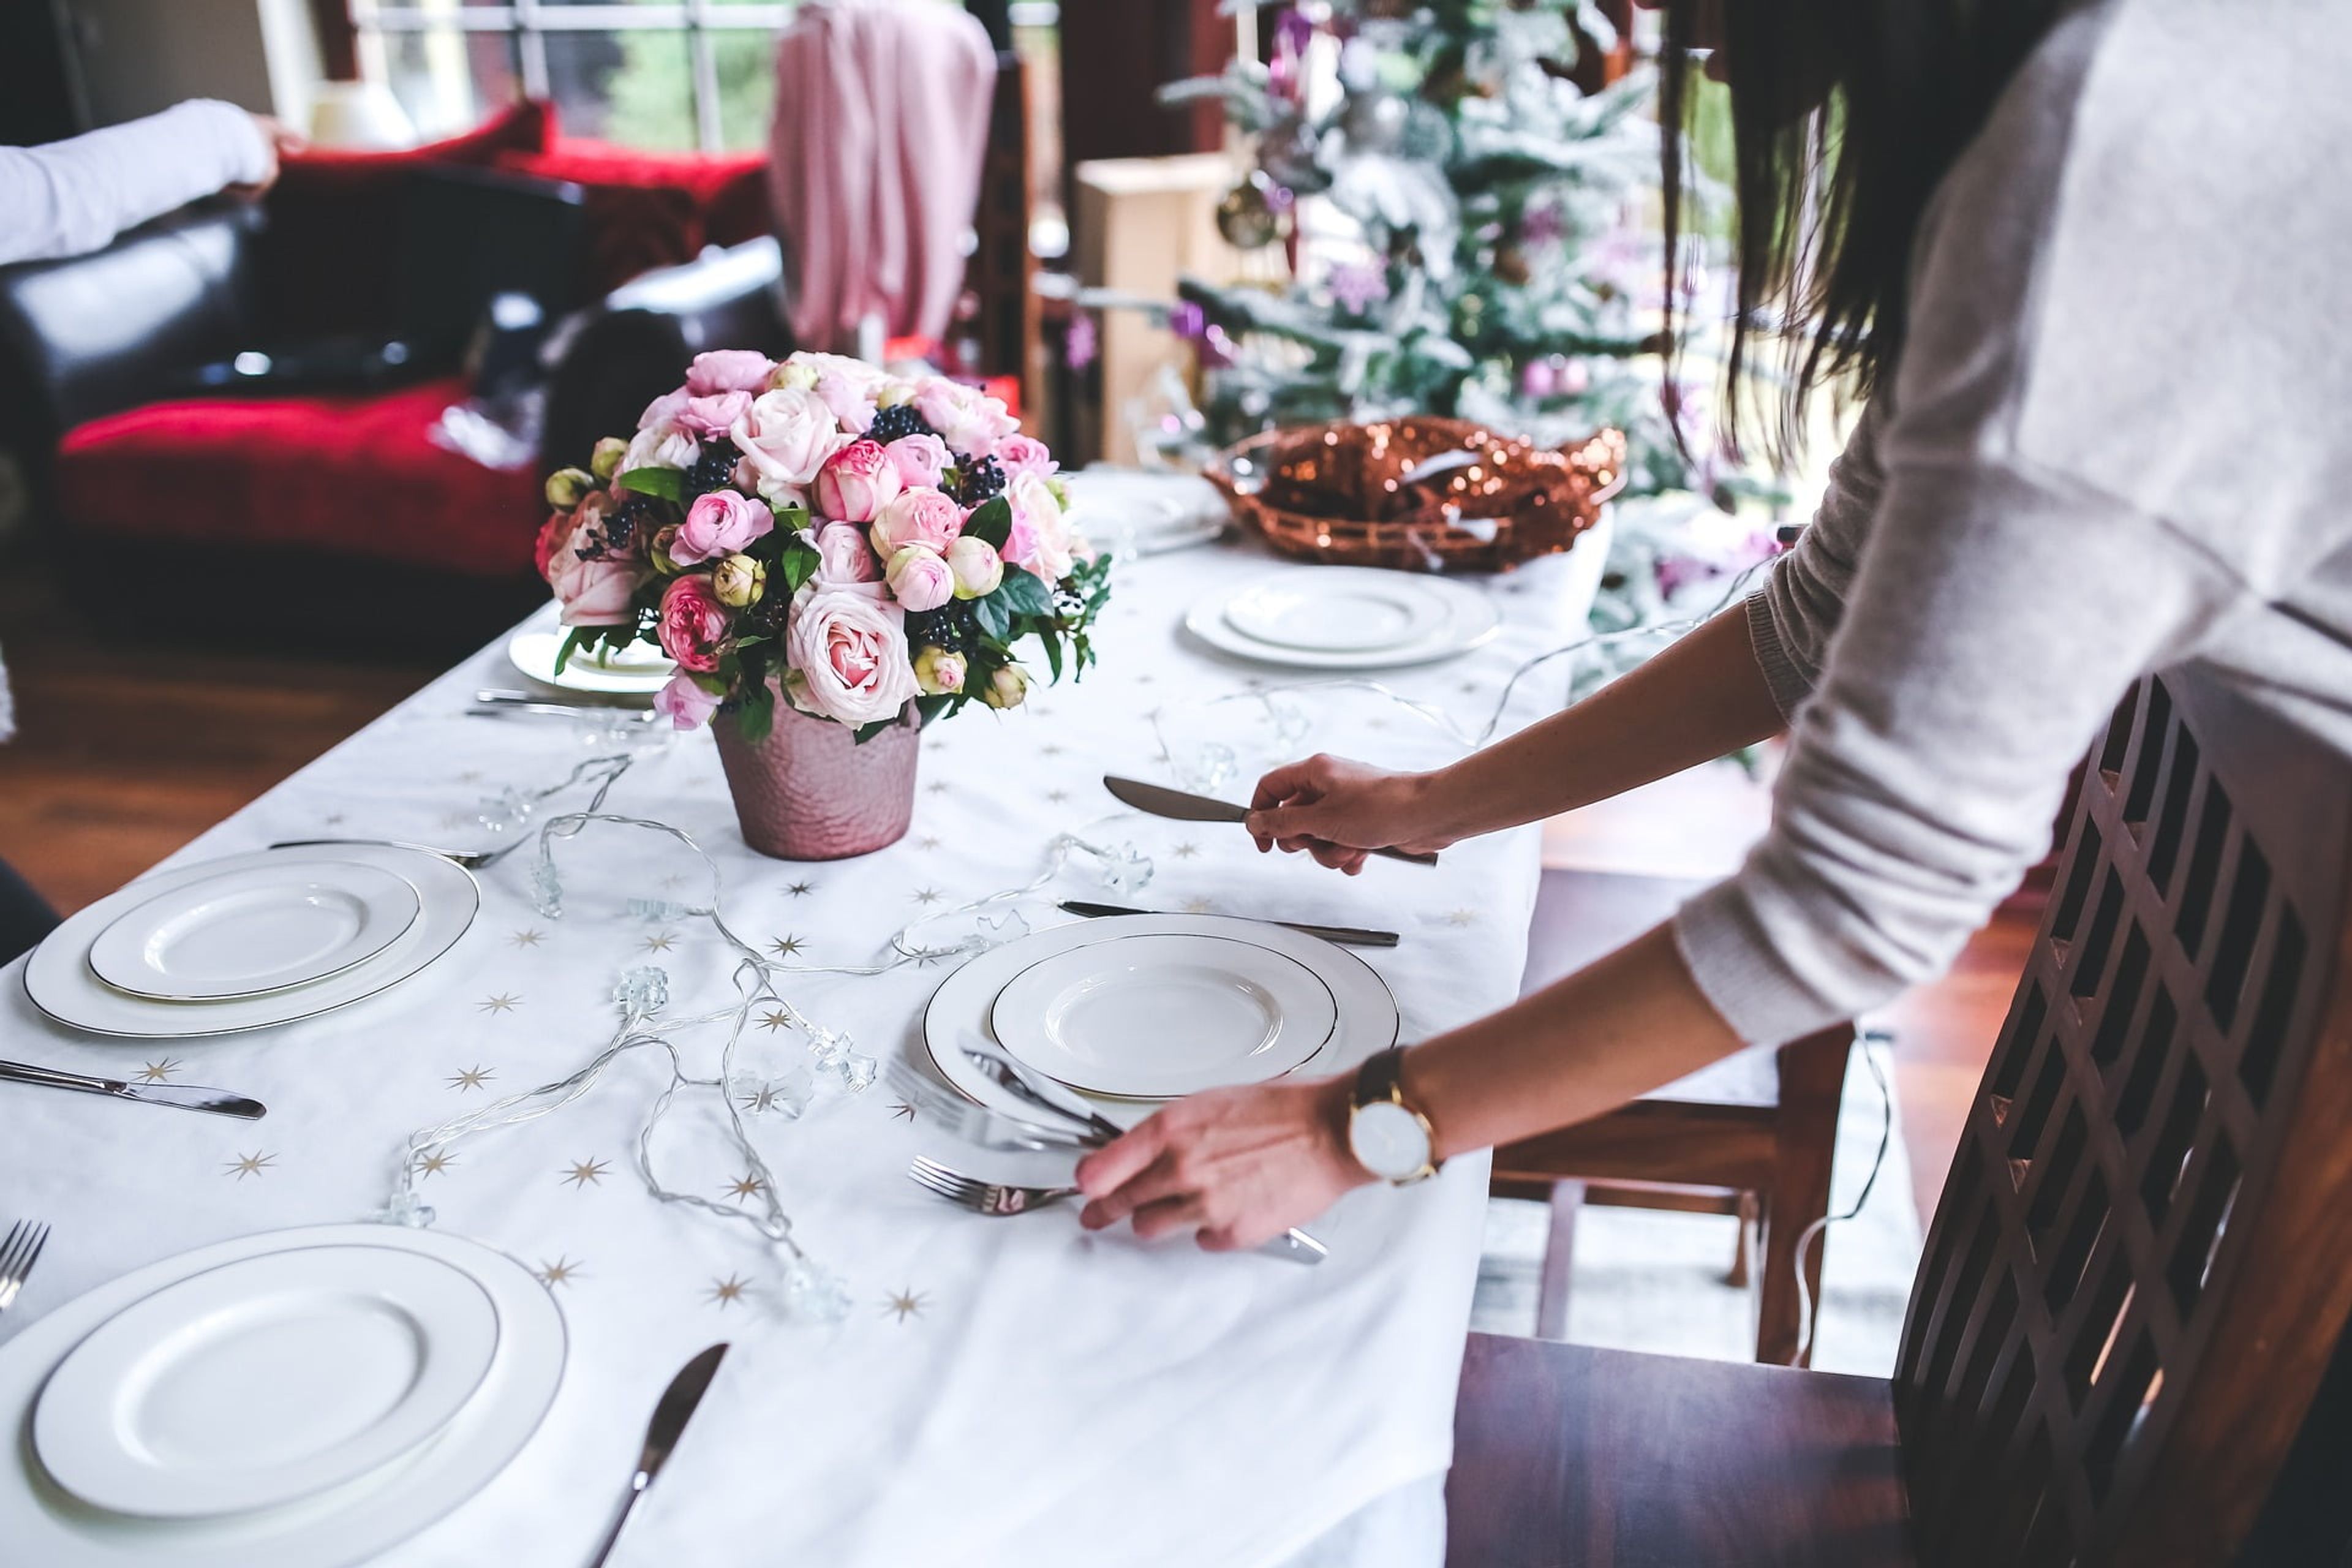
<point x="810" y="792"/>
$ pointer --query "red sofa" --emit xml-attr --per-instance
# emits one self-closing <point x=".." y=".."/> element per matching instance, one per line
<point x="293" y="486"/>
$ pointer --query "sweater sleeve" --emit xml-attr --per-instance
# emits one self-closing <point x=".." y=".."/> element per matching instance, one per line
<point x="1793" y="618"/>
<point x="73" y="198"/>
<point x="1992" y="625"/>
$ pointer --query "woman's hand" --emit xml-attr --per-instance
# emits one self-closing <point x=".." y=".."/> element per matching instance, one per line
<point x="1240" y="1166"/>
<point x="1339" y="811"/>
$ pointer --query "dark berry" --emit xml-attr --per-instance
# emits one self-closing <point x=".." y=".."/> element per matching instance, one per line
<point x="714" y="470"/>
<point x="977" y="478"/>
<point x="953" y="627"/>
<point x="897" y="423"/>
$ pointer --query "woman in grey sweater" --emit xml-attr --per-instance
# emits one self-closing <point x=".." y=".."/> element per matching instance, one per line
<point x="2081" y="258"/>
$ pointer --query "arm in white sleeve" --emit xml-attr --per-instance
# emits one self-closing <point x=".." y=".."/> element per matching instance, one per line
<point x="1991" y="628"/>
<point x="1793" y="618"/>
<point x="72" y="197"/>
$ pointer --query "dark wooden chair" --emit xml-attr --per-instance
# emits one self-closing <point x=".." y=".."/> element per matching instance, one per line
<point x="1751" y="1136"/>
<point x="2139" y="1269"/>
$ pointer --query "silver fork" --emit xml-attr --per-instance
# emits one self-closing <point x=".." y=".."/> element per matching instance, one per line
<point x="18" y="1252"/>
<point x="983" y="1197"/>
<point x="471" y="859"/>
<point x="1000" y="1198"/>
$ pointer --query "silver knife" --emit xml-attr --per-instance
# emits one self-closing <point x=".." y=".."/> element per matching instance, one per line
<point x="670" y="1416"/>
<point x="1160" y="801"/>
<point x="533" y="709"/>
<point x="1352" y="936"/>
<point x="182" y="1096"/>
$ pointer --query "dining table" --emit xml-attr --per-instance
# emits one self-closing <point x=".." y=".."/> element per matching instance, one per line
<point x="985" y="1390"/>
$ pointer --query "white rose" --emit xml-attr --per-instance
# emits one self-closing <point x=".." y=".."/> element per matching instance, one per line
<point x="786" y="435"/>
<point x="1041" y="539"/>
<point x="966" y="418"/>
<point x="849" y="653"/>
<point x="660" y="445"/>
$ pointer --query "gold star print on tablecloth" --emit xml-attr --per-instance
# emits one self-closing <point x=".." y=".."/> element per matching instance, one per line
<point x="526" y="938"/>
<point x="562" y="1271"/>
<point x="1196" y="906"/>
<point x="156" y="1072"/>
<point x="662" y="943"/>
<point x="775" y="1018"/>
<point x="785" y="946"/>
<point x="1049" y="749"/>
<point x="728" y="1291"/>
<point x="471" y="775"/>
<point x="927" y="895"/>
<point x="1058" y="796"/>
<point x="501" y="1003"/>
<point x="335" y="821"/>
<point x="245" y="1165"/>
<point x="928" y="841"/>
<point x="472" y="1078"/>
<point x="436" y="1162"/>
<point x="746" y="1186"/>
<point x="937" y="786"/>
<point x="801" y="889"/>
<point x="1186" y="850"/>
<point x="758" y="1102"/>
<point x="903" y="1109"/>
<point x="1461" y="917"/>
<point x="906" y="1304"/>
<point x="585" y="1171"/>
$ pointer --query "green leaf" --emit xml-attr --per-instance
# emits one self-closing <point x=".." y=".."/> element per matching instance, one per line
<point x="933" y="709"/>
<point x="798" y="565"/>
<point x="572" y="641"/>
<point x="1053" y="652"/>
<point x="668" y="484"/>
<point x="1024" y="593"/>
<point x="991" y="520"/>
<point x="755" y="713"/>
<point x="866" y="732"/>
<point x="993" y="614"/>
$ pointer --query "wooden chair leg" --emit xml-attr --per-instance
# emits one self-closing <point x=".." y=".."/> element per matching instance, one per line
<point x="1559" y="1259"/>
<point x="1812" y="1079"/>
<point x="1743" y="1243"/>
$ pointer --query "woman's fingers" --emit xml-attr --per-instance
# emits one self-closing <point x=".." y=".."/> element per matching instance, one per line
<point x="1288" y="781"/>
<point x="1120" y="1161"/>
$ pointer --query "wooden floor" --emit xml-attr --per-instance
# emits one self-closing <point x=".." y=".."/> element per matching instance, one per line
<point x="126" y="752"/>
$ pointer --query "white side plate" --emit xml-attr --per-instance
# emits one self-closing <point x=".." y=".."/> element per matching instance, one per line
<point x="245" y="933"/>
<point x="1339" y="611"/>
<point x="41" y="1523"/>
<point x="58" y="980"/>
<point x="961" y="1006"/>
<point x="638" y="670"/>
<point x="1153" y="1017"/>
<point x="265" y="1381"/>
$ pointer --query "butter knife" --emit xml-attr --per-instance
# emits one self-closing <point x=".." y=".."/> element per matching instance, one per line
<point x="182" y="1096"/>
<point x="1159" y="800"/>
<point x="1352" y="936"/>
<point x="670" y="1416"/>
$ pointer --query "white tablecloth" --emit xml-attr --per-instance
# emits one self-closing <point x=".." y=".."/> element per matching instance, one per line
<point x="1002" y="1391"/>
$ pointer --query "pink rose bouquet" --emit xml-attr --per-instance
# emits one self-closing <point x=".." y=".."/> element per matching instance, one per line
<point x="821" y="529"/>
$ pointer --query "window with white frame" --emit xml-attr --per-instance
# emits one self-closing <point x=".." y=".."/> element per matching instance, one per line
<point x="665" y="74"/>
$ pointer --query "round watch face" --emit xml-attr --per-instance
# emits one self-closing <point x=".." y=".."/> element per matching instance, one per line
<point x="1389" y="1140"/>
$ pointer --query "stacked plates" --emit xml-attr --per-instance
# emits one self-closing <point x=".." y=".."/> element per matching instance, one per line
<point x="1150" y="1008"/>
<point x="251" y="941"/>
<point x="303" y="1398"/>
<point x="1344" y="617"/>
<point x="1144" y="512"/>
<point x="638" y="670"/>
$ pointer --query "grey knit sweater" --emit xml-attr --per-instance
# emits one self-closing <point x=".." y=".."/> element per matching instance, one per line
<point x="2119" y="439"/>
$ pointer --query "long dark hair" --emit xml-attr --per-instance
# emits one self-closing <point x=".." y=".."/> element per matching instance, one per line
<point x="1845" y="115"/>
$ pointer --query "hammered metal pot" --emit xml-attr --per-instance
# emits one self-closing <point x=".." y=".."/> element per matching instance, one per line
<point x="810" y="792"/>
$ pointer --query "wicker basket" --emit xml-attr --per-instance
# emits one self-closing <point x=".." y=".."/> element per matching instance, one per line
<point x="1336" y="493"/>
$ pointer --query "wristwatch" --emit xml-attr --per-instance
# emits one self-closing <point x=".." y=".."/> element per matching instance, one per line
<point x="1389" y="1137"/>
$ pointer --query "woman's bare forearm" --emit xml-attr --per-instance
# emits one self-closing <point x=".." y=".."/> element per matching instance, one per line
<point x="1698" y="701"/>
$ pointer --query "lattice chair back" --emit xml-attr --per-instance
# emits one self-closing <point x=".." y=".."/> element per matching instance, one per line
<point x="2143" y="1257"/>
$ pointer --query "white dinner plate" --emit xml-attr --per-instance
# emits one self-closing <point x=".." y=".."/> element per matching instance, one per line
<point x="1338" y="604"/>
<point x="639" y="669"/>
<point x="961" y="1006"/>
<point x="264" y="1381"/>
<point x="42" y="1524"/>
<point x="1339" y="610"/>
<point x="244" y="933"/>
<point x="1144" y="512"/>
<point x="1155" y="1017"/>
<point x="58" y="980"/>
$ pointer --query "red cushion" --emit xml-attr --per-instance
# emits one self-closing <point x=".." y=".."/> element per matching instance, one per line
<point x="351" y="476"/>
<point x="645" y="210"/>
<point x="327" y="258"/>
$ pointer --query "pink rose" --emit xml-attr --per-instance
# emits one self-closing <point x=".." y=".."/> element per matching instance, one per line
<point x="660" y="445"/>
<point x="593" y="593"/>
<point x="685" y="705"/>
<point x="664" y="409"/>
<point x="846" y="385"/>
<point x="714" y="415"/>
<point x="921" y="459"/>
<point x="1020" y="454"/>
<point x="1040" y="540"/>
<point x="917" y="517"/>
<point x="693" y="624"/>
<point x="849" y="653"/>
<point x="966" y="418"/>
<point x="554" y="535"/>
<point x="843" y="559"/>
<point x="786" y="435"/>
<point x="721" y="522"/>
<point x="857" y="482"/>
<point x="729" y="370"/>
<point x="920" y="578"/>
<point x="978" y="568"/>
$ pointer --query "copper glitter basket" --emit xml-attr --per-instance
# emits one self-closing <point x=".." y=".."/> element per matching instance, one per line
<point x="1418" y="494"/>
